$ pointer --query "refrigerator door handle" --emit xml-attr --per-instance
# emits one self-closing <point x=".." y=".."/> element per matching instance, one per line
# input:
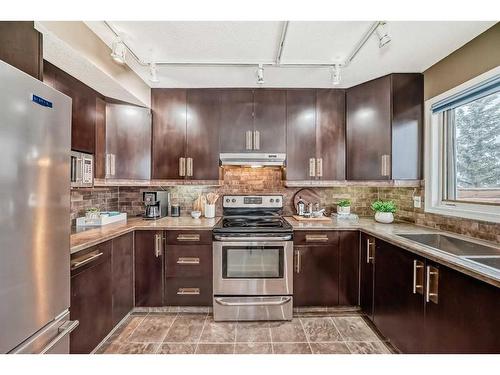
<point x="65" y="329"/>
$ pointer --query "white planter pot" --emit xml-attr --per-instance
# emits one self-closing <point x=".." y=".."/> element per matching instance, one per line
<point x="384" y="217"/>
<point x="343" y="210"/>
<point x="209" y="210"/>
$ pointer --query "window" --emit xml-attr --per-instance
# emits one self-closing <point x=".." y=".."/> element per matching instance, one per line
<point x="462" y="175"/>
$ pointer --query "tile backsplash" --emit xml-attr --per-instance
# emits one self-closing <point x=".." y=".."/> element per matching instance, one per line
<point x="269" y="180"/>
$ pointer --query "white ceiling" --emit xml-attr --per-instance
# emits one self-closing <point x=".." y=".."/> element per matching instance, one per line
<point x="415" y="46"/>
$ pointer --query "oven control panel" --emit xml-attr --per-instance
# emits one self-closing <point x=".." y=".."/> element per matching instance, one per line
<point x="252" y="201"/>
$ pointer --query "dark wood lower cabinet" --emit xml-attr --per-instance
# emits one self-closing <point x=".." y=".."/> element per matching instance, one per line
<point x="399" y="297"/>
<point x="349" y="268"/>
<point x="91" y="297"/>
<point x="123" y="276"/>
<point x="148" y="268"/>
<point x="316" y="272"/>
<point x="366" y="274"/>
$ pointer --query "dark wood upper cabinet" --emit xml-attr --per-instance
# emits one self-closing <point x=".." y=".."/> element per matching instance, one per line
<point x="148" y="263"/>
<point x="330" y="133"/>
<point x="349" y="268"/>
<point x="384" y="128"/>
<point x="123" y="276"/>
<point x="270" y="120"/>
<point x="236" y="119"/>
<point x="169" y="132"/>
<point x="100" y="139"/>
<point x="202" y="146"/>
<point x="300" y="133"/>
<point x="22" y="47"/>
<point x="399" y="297"/>
<point x="84" y="101"/>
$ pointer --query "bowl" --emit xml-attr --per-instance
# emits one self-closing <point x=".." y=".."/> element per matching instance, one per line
<point x="195" y="214"/>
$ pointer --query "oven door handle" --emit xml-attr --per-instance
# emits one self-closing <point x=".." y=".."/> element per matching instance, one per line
<point x="218" y="237"/>
<point x="279" y="302"/>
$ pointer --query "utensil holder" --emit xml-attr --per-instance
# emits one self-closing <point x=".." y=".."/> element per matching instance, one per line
<point x="209" y="210"/>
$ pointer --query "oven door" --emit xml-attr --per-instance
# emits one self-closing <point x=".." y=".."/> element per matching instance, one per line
<point x="253" y="268"/>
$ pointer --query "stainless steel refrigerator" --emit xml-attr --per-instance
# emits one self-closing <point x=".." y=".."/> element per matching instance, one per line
<point x="35" y="126"/>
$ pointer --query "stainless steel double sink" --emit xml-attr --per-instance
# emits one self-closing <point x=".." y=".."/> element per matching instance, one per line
<point x="488" y="256"/>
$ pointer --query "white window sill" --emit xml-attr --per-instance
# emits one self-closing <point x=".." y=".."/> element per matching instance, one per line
<point x="487" y="213"/>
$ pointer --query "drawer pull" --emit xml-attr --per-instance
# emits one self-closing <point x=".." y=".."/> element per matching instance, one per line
<point x="188" y="291"/>
<point x="316" y="238"/>
<point x="87" y="258"/>
<point x="188" y="237"/>
<point x="188" y="260"/>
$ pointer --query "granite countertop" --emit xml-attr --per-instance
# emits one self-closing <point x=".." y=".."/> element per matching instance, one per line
<point x="389" y="233"/>
<point x="87" y="238"/>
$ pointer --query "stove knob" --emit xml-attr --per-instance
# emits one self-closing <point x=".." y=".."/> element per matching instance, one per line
<point x="277" y="200"/>
<point x="233" y="200"/>
<point x="227" y="200"/>
<point x="272" y="200"/>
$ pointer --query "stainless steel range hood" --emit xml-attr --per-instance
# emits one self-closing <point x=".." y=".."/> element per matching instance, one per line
<point x="251" y="159"/>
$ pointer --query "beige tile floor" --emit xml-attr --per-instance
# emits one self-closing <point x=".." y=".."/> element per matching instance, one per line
<point x="197" y="333"/>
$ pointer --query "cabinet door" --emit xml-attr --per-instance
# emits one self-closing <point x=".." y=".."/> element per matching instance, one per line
<point x="21" y="46"/>
<point x="148" y="269"/>
<point x="128" y="138"/>
<point x="203" y="133"/>
<point x="100" y="139"/>
<point x="366" y="274"/>
<point x="91" y="299"/>
<point x="368" y="130"/>
<point x="169" y="132"/>
<point x="300" y="134"/>
<point x="270" y="120"/>
<point x="349" y="268"/>
<point x="236" y="119"/>
<point x="399" y="297"/>
<point x="316" y="276"/>
<point x="123" y="280"/>
<point x="465" y="317"/>
<point x="330" y="132"/>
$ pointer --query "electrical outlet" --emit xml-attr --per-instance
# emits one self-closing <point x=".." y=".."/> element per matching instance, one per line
<point x="417" y="202"/>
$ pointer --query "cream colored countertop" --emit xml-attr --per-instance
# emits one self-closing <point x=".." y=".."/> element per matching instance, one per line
<point x="83" y="240"/>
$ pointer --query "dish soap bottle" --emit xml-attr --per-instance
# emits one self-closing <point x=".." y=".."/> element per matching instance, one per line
<point x="301" y="207"/>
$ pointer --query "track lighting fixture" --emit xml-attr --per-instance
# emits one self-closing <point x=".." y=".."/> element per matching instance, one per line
<point x="336" y="74"/>
<point x="153" y="75"/>
<point x="260" y="74"/>
<point x="383" y="34"/>
<point x="119" y="50"/>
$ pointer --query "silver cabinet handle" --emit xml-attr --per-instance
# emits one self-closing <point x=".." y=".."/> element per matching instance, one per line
<point x="158" y="246"/>
<point x="108" y="165"/>
<point x="188" y="237"/>
<point x="113" y="164"/>
<point x="188" y="291"/>
<point x="316" y="237"/>
<point x="297" y="261"/>
<point x="87" y="258"/>
<point x="278" y="302"/>
<point x="65" y="329"/>
<point x="369" y="254"/>
<point x="432" y="281"/>
<point x="319" y="169"/>
<point x="418" y="269"/>
<point x="312" y="167"/>
<point x="385" y="169"/>
<point x="189" y="167"/>
<point x="182" y="167"/>
<point x="188" y="260"/>
<point x="256" y="140"/>
<point x="248" y="140"/>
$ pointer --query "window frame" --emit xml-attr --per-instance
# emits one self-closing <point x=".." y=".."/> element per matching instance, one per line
<point x="434" y="162"/>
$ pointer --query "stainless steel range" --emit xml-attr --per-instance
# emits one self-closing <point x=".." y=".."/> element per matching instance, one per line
<point x="253" y="260"/>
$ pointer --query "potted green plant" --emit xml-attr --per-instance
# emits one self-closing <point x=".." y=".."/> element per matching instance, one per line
<point x="384" y="211"/>
<point x="344" y="207"/>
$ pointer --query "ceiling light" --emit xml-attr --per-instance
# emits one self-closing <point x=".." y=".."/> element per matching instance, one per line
<point x="153" y="76"/>
<point x="383" y="34"/>
<point x="336" y="74"/>
<point x="260" y="74"/>
<point x="119" y="50"/>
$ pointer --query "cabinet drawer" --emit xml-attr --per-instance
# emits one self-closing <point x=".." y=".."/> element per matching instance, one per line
<point x="315" y="237"/>
<point x="90" y="257"/>
<point x="188" y="261"/>
<point x="182" y="237"/>
<point x="181" y="291"/>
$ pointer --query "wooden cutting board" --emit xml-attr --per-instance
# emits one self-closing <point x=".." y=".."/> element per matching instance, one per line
<point x="311" y="219"/>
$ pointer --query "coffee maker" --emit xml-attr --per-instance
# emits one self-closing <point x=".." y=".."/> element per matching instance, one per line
<point x="155" y="203"/>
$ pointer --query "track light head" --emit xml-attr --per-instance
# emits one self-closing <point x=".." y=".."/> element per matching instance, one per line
<point x="336" y="77"/>
<point x="383" y="34"/>
<point x="260" y="74"/>
<point x="153" y="74"/>
<point x="119" y="50"/>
